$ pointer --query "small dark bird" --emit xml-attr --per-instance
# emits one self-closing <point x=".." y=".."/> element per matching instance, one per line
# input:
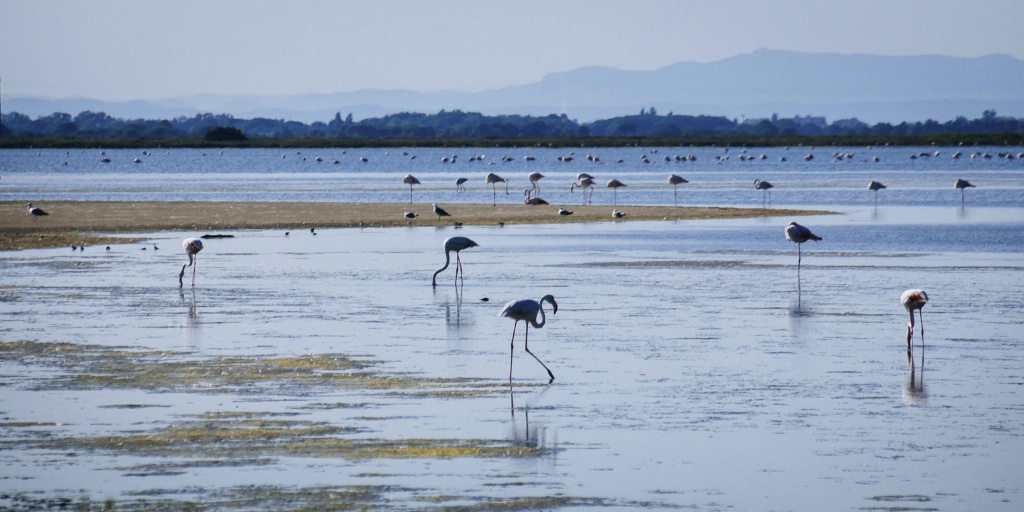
<point x="410" y="215"/>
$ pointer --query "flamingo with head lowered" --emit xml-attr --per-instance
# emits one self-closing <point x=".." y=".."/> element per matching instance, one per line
<point x="192" y="247"/>
<point x="456" y="244"/>
<point x="527" y="310"/>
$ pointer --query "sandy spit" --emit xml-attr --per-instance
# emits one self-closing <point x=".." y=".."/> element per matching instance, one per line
<point x="91" y="222"/>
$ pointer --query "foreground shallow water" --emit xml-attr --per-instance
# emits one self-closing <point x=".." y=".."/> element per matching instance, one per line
<point x="690" y="371"/>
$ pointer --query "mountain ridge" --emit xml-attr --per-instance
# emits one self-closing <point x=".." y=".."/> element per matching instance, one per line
<point x="872" y="88"/>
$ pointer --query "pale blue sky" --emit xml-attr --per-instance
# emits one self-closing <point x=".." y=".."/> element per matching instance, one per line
<point x="119" y="49"/>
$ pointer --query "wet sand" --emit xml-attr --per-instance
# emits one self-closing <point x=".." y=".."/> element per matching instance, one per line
<point x="91" y="222"/>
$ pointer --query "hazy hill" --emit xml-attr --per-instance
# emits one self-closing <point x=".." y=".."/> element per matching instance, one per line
<point x="870" y="87"/>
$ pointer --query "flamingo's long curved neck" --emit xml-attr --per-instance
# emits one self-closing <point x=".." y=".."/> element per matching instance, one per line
<point x="447" y="260"/>
<point x="543" y="318"/>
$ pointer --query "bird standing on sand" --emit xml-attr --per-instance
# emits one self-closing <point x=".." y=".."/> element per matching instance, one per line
<point x="410" y="180"/>
<point x="914" y="299"/>
<point x="615" y="185"/>
<point x="527" y="310"/>
<point x="36" y="212"/>
<point x="798" y="234"/>
<point x="457" y="244"/>
<point x="493" y="180"/>
<point x="764" y="186"/>
<point x="440" y="212"/>
<point x="675" y="180"/>
<point x="192" y="247"/>
<point x="962" y="184"/>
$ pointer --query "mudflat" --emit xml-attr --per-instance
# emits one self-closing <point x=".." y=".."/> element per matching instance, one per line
<point x="92" y="222"/>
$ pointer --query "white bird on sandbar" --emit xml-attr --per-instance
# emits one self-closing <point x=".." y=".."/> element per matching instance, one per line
<point x="527" y="310"/>
<point x="457" y="244"/>
<point x="192" y="247"/>
<point x="36" y="212"/>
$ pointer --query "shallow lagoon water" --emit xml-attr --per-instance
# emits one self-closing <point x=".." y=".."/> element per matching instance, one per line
<point x="690" y="372"/>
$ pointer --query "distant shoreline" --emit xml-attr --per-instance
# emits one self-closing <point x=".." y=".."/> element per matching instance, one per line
<point x="93" y="222"/>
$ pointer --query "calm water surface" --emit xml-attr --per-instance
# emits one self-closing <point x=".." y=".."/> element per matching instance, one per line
<point x="692" y="370"/>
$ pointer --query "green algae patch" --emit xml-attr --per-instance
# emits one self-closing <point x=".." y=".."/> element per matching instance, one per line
<point x="106" y="368"/>
<point x="258" y="436"/>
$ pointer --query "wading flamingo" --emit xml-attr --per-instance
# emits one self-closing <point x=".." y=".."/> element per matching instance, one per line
<point x="675" y="180"/>
<point x="584" y="181"/>
<point x="535" y="177"/>
<point x="615" y="185"/>
<point x="799" y="234"/>
<point x="962" y="184"/>
<point x="457" y="244"/>
<point x="875" y="186"/>
<point x="192" y="247"/>
<point x="764" y="185"/>
<point x="410" y="180"/>
<point x="527" y="310"/>
<point x="914" y="299"/>
<point x="493" y="180"/>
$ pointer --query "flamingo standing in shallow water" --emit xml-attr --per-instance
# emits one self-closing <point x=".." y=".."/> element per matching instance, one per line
<point x="615" y="185"/>
<point x="493" y="180"/>
<point x="527" y="309"/>
<point x="457" y="244"/>
<point x="410" y="180"/>
<point x="764" y="186"/>
<point x="675" y="180"/>
<point x="799" y="234"/>
<point x="535" y="177"/>
<point x="192" y="247"/>
<point x="962" y="184"/>
<point x="875" y="186"/>
<point x="914" y="299"/>
<point x="584" y="181"/>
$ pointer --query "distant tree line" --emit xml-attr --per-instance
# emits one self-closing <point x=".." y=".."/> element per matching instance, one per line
<point x="456" y="125"/>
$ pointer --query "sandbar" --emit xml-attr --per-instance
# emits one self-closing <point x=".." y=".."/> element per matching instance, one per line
<point x="95" y="222"/>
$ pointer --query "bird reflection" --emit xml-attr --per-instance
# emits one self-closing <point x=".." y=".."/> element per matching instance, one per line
<point x="913" y="389"/>
<point x="192" y="313"/>
<point x="529" y="436"/>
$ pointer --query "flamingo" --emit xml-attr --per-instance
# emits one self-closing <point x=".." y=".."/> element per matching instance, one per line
<point x="493" y="180"/>
<point x="527" y="309"/>
<point x="799" y="234"/>
<point x="675" y="180"/>
<point x="962" y="184"/>
<point x="192" y="247"/>
<point x="440" y="212"/>
<point x="583" y="181"/>
<point x="914" y="299"/>
<point x="614" y="185"/>
<point x="410" y="180"/>
<point x="535" y="178"/>
<point x="36" y="212"/>
<point x="764" y="185"/>
<point x="874" y="185"/>
<point x="533" y="200"/>
<point x="457" y="244"/>
<point x="459" y="183"/>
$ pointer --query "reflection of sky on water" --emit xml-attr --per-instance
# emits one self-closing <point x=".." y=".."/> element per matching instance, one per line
<point x="686" y="374"/>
